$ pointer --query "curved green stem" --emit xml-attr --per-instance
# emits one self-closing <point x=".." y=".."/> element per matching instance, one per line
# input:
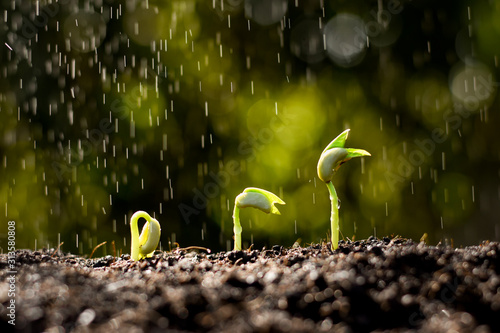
<point x="256" y="198"/>
<point x="330" y="160"/>
<point x="334" y="218"/>
<point x="134" y="233"/>
<point x="237" y="228"/>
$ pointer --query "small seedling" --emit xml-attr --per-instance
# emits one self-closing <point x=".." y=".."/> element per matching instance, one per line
<point x="256" y="198"/>
<point x="330" y="160"/>
<point x="143" y="246"/>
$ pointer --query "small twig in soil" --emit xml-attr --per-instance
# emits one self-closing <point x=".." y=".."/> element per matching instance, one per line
<point x="95" y="248"/>
<point x="192" y="248"/>
<point x="57" y="250"/>
<point x="424" y="237"/>
<point x="342" y="235"/>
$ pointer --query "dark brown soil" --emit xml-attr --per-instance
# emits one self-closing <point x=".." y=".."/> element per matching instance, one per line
<point x="373" y="285"/>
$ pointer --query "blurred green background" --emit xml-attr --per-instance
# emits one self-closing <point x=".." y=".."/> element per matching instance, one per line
<point x="174" y="107"/>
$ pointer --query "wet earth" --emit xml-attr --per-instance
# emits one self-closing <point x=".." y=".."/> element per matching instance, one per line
<point x="382" y="285"/>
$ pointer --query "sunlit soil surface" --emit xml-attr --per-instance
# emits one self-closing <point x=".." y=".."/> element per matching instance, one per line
<point x="371" y="285"/>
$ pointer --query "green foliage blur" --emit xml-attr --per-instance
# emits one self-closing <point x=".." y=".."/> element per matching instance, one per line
<point x="174" y="107"/>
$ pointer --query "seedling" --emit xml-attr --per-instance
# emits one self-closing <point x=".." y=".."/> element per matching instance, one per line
<point x="143" y="246"/>
<point x="256" y="198"/>
<point x="329" y="162"/>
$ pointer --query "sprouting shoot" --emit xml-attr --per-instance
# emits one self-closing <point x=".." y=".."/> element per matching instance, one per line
<point x="330" y="160"/>
<point x="256" y="198"/>
<point x="143" y="246"/>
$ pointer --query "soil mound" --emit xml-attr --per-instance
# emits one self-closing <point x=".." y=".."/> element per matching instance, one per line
<point x="391" y="285"/>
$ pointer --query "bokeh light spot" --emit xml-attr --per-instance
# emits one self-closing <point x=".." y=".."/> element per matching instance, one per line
<point x="345" y="39"/>
<point x="85" y="30"/>
<point x="472" y="85"/>
<point x="306" y="41"/>
<point x="266" y="12"/>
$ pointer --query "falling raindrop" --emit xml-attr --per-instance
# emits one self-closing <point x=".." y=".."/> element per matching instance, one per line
<point x="58" y="242"/>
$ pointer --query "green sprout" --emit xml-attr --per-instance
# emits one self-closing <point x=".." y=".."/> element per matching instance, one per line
<point x="143" y="246"/>
<point x="256" y="198"/>
<point x="330" y="160"/>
